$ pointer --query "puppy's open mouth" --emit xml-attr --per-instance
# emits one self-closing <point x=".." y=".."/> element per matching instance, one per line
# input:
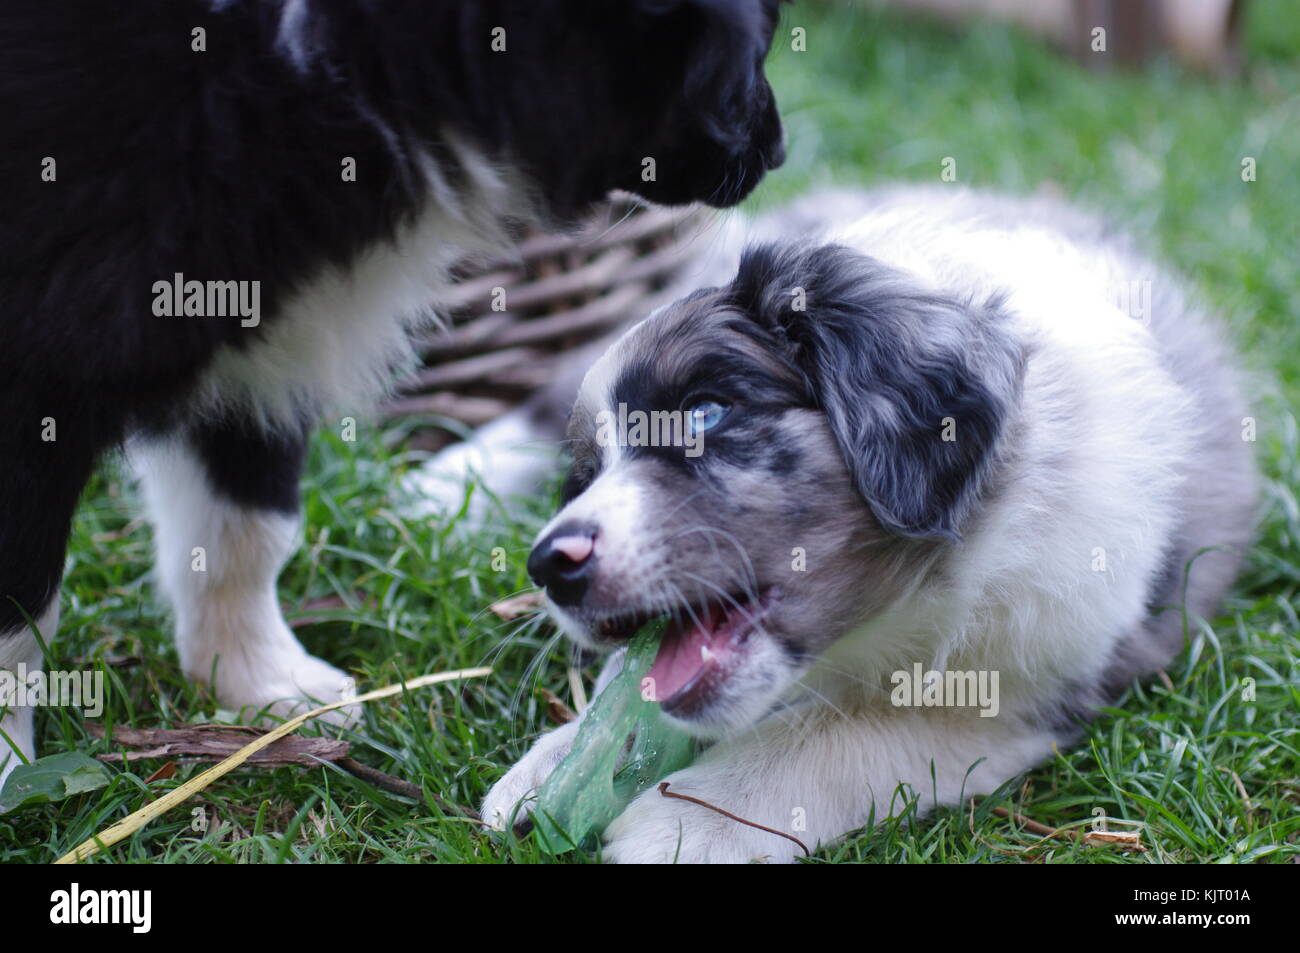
<point x="700" y="649"/>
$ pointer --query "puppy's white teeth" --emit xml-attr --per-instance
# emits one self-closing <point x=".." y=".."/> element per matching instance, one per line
<point x="705" y="654"/>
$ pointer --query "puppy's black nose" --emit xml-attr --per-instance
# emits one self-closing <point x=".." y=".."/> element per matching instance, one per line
<point x="562" y="562"/>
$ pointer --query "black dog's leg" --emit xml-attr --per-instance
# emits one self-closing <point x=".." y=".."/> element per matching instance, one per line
<point x="46" y="455"/>
<point x="223" y="497"/>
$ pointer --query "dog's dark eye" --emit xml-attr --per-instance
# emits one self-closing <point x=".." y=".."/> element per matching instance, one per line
<point x="704" y="415"/>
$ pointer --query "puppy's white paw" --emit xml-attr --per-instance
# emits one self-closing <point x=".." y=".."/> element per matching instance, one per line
<point x="500" y="461"/>
<point x="439" y="490"/>
<point x="521" y="782"/>
<point x="281" y="678"/>
<point x="655" y="829"/>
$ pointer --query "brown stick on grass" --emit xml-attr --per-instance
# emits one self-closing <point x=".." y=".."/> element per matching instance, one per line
<point x="395" y="785"/>
<point x="1124" y="840"/>
<point x="663" y="789"/>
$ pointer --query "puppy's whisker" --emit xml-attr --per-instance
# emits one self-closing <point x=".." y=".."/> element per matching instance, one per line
<point x="532" y="675"/>
<point x="685" y="604"/>
<point x="597" y="239"/>
<point x="726" y="597"/>
<point x="518" y="632"/>
<point x="750" y="577"/>
<point x="826" y="701"/>
<point x="680" y="504"/>
<point x="871" y="687"/>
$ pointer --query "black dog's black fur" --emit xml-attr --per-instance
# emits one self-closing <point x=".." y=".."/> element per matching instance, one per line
<point x="225" y="164"/>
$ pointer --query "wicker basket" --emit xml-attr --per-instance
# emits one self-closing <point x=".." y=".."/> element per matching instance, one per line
<point x="559" y="292"/>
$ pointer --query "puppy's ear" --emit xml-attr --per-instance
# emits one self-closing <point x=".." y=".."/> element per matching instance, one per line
<point x="917" y="386"/>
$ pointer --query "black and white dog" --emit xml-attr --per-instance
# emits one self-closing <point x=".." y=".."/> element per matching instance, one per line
<point x="221" y="216"/>
<point x="933" y="483"/>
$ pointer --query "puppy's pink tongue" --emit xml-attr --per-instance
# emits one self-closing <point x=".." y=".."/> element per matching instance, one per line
<point x="687" y="648"/>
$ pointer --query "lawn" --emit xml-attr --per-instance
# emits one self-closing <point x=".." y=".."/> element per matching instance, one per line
<point x="875" y="97"/>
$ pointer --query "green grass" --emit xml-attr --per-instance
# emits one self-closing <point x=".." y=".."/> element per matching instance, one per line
<point x="875" y="98"/>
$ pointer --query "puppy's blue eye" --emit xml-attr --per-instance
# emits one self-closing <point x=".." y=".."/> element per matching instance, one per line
<point x="706" y="414"/>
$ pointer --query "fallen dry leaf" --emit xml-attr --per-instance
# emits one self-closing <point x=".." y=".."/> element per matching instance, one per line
<point x="216" y="743"/>
<point x="165" y="773"/>
<point x="507" y="610"/>
<point x="556" y="710"/>
<point x="1124" y="840"/>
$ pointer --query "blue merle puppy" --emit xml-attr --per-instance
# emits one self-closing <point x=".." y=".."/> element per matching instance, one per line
<point x="959" y="465"/>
